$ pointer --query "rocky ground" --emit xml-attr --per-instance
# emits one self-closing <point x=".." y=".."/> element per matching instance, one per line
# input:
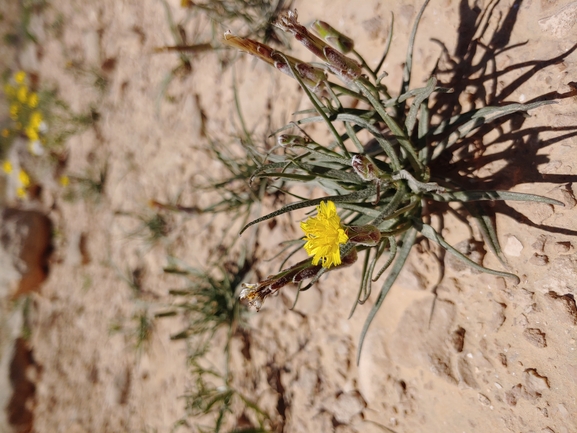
<point x="482" y="355"/>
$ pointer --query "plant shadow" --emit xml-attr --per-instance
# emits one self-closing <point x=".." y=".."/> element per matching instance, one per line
<point x="472" y="69"/>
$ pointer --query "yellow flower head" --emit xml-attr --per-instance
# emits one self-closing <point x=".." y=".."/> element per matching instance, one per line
<point x="24" y="178"/>
<point x="323" y="235"/>
<point x="7" y="167"/>
<point x="22" y="94"/>
<point x="32" y="133"/>
<point x="33" y="100"/>
<point x="35" y="120"/>
<point x="21" y="192"/>
<point x="19" y="77"/>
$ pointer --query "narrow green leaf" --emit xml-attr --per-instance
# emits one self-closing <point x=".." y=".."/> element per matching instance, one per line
<point x="430" y="233"/>
<point x="352" y="197"/>
<point x="367" y="209"/>
<point x="409" y="62"/>
<point x="290" y="176"/>
<point x="387" y="45"/>
<point x="391" y="206"/>
<point x="416" y="105"/>
<point x="353" y="136"/>
<point x="392" y="255"/>
<point x="408" y="242"/>
<point x="424" y="124"/>
<point x="317" y="105"/>
<point x="383" y="142"/>
<point x="480" y="117"/>
<point x="397" y="131"/>
<point x="272" y="166"/>
<point x="365" y="286"/>
<point x="464" y="196"/>
<point x="487" y="229"/>
<point x="323" y="156"/>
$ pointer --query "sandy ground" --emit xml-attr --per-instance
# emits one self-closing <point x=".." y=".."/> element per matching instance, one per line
<point x="490" y="356"/>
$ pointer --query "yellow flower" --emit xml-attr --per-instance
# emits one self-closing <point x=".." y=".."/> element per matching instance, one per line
<point x="21" y="192"/>
<point x="14" y="111"/>
<point x="33" y="100"/>
<point x="7" y="167"/>
<point x="31" y="133"/>
<point x="22" y="94"/>
<point x="35" y="119"/>
<point x="24" y="178"/>
<point x="324" y="234"/>
<point x="5" y="132"/>
<point x="19" y="77"/>
<point x="64" y="180"/>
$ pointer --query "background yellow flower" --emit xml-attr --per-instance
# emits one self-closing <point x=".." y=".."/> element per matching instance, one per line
<point x="19" y="77"/>
<point x="7" y="167"/>
<point x="22" y="94"/>
<point x="33" y="100"/>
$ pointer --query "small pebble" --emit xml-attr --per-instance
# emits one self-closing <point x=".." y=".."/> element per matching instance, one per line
<point x="513" y="247"/>
<point x="539" y="259"/>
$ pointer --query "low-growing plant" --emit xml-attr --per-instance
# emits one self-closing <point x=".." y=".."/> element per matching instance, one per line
<point x="42" y="122"/>
<point x="89" y="185"/>
<point x="377" y="191"/>
<point x="235" y="190"/>
<point x="208" y="303"/>
<point x="252" y="18"/>
<point x="213" y="395"/>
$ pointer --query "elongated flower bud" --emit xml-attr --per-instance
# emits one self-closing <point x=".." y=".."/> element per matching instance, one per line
<point x="255" y="294"/>
<point x="343" y="43"/>
<point x="368" y="235"/>
<point x="364" y="168"/>
<point x="345" y="68"/>
<point x="289" y="140"/>
<point x="313" y="77"/>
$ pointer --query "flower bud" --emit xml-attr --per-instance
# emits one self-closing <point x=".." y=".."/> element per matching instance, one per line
<point x="345" y="68"/>
<point x="288" y="140"/>
<point x="312" y="76"/>
<point x="255" y="294"/>
<point x="364" y="168"/>
<point x="364" y="235"/>
<point x="250" y="293"/>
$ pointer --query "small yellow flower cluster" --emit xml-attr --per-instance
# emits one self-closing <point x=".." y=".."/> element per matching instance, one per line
<point x="28" y="112"/>
<point x="20" y="178"/>
<point x="28" y="119"/>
